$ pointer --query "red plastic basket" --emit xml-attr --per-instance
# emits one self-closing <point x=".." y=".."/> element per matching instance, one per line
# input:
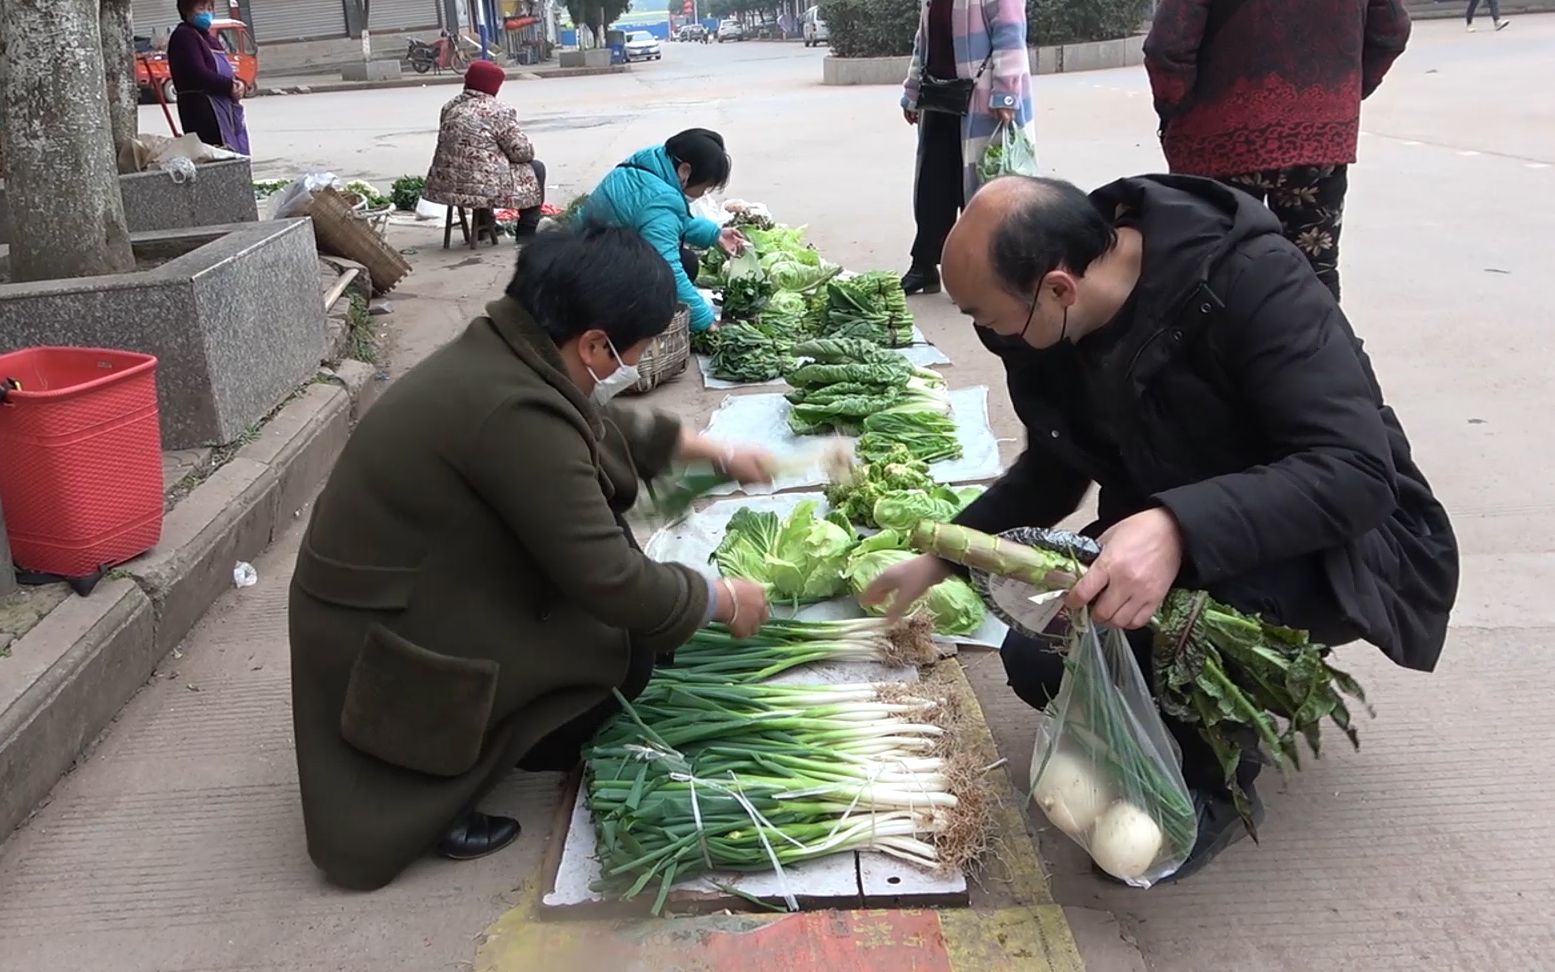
<point x="80" y="458"/>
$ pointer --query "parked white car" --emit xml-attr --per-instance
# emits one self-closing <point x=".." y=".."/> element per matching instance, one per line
<point x="816" y="32"/>
<point x="642" y="46"/>
<point x="731" y="30"/>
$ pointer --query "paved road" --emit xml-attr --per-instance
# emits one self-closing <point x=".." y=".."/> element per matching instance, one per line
<point x="177" y="844"/>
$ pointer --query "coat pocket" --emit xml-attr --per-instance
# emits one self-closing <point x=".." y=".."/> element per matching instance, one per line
<point x="416" y="708"/>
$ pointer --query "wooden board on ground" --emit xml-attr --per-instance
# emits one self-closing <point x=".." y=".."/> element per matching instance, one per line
<point x="851" y="880"/>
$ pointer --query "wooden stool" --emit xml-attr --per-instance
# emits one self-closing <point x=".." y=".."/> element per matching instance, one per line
<point x="466" y="227"/>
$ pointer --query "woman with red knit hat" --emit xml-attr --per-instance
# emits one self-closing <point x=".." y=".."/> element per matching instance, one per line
<point x="484" y="161"/>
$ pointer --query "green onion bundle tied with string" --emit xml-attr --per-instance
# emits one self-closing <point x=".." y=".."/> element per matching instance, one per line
<point x="695" y="777"/>
<point x="1224" y="671"/>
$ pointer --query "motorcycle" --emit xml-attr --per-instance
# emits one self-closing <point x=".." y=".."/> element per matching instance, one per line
<point x="422" y="56"/>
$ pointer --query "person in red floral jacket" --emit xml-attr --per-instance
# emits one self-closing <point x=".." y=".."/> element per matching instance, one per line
<point x="1266" y="95"/>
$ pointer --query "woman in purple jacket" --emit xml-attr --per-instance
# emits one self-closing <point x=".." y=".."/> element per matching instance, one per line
<point x="208" y="91"/>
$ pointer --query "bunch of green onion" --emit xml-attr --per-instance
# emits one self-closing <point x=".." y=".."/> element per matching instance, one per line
<point x="714" y="654"/>
<point x="695" y="778"/>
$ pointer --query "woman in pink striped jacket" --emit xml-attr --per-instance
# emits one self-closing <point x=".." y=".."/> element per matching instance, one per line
<point x="984" y="42"/>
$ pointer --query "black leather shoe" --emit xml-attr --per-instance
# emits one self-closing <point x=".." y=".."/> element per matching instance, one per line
<point x="921" y="280"/>
<point x="1220" y="826"/>
<point x="477" y="834"/>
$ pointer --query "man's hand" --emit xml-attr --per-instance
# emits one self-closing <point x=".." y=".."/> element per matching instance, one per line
<point x="742" y="605"/>
<point x="1139" y="561"/>
<point x="1004" y="116"/>
<point x="732" y="241"/>
<point x="900" y="587"/>
<point x="910" y="115"/>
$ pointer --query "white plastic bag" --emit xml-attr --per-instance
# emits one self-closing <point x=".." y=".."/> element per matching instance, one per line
<point x="292" y="200"/>
<point x="1009" y="152"/>
<point x="1105" y="770"/>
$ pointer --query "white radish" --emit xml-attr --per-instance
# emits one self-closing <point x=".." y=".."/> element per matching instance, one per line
<point x="1069" y="793"/>
<point x="1126" y="841"/>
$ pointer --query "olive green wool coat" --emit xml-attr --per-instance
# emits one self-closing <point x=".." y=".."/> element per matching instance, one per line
<point x="467" y="585"/>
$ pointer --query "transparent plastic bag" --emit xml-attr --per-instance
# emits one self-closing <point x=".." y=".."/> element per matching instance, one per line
<point x="1009" y="152"/>
<point x="1105" y="770"/>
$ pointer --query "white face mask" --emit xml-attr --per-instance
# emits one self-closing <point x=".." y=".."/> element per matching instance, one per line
<point x="613" y="384"/>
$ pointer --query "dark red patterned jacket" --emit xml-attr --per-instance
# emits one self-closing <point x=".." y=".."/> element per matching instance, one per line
<point x="1245" y="85"/>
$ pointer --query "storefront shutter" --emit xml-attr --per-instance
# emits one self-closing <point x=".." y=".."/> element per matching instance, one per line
<point x="404" y="15"/>
<point x="289" y="20"/>
<point x="154" y="18"/>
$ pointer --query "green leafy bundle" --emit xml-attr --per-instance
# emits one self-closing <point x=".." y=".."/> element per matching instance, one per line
<point x="750" y="352"/>
<point x="790" y="263"/>
<point x="896" y="472"/>
<point x="406" y="192"/>
<point x="798" y="559"/>
<point x="921" y="422"/>
<point x="746" y="289"/>
<point x="871" y="306"/>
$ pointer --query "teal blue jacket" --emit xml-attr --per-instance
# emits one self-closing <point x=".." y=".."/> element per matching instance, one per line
<point x="644" y="193"/>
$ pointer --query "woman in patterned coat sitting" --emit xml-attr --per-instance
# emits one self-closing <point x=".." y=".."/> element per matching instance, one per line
<point x="484" y="161"/>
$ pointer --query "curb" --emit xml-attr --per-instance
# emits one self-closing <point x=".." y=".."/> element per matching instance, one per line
<point x="1057" y="59"/>
<point x="423" y="80"/>
<point x="69" y="676"/>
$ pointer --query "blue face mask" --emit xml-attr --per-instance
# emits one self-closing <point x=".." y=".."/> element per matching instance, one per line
<point x="203" y="19"/>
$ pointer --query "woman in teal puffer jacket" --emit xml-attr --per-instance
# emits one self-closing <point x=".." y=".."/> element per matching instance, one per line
<point x="649" y="193"/>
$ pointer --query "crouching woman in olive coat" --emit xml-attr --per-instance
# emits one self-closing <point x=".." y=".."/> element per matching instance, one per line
<point x="467" y="594"/>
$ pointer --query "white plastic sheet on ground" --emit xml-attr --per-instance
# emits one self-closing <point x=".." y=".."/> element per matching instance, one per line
<point x="693" y="540"/>
<point x="920" y="352"/>
<point x="764" y="419"/>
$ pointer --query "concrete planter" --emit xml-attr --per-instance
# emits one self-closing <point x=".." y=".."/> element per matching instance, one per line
<point x="233" y="314"/>
<point x="1093" y="56"/>
<point x="220" y="193"/>
<point x="594" y="57"/>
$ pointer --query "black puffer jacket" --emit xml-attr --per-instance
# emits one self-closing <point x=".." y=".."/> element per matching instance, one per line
<point x="1236" y="395"/>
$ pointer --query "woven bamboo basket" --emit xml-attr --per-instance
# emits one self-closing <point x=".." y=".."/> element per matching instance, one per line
<point x="341" y="231"/>
<point x="667" y="355"/>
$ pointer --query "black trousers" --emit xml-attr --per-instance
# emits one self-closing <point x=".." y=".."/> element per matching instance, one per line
<point x="1035" y="669"/>
<point x="1495" y="10"/>
<point x="939" y="194"/>
<point x="1308" y="200"/>
<point x="690" y="262"/>
<point x="529" y="219"/>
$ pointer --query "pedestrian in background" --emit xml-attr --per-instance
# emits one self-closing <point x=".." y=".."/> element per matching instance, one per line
<point x="1266" y="95"/>
<point x="1495" y="14"/>
<point x="970" y="72"/>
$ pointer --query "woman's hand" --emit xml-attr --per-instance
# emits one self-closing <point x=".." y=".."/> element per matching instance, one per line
<point x="747" y="464"/>
<point x="1004" y="116"/>
<point x="237" y="91"/>
<point x="732" y="241"/>
<point x="910" y="115"/>
<point x="742" y="605"/>
<point x="900" y="587"/>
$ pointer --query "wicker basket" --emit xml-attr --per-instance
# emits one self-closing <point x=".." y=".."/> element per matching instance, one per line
<point x="341" y="231"/>
<point x="667" y="355"/>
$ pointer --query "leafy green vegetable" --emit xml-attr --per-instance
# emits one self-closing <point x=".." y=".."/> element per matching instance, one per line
<point x="369" y="194"/>
<point x="952" y="603"/>
<point x="920" y="421"/>
<point x="872" y="307"/>
<point x="798" y="559"/>
<point x="265" y="188"/>
<point x="902" y="510"/>
<point x="896" y="471"/>
<point x="750" y="352"/>
<point x="406" y="192"/>
<point x="883" y="372"/>
<point x="845" y="351"/>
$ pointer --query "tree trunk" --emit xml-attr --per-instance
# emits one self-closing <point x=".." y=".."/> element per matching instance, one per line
<point x="62" y="183"/>
<point x="118" y="33"/>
